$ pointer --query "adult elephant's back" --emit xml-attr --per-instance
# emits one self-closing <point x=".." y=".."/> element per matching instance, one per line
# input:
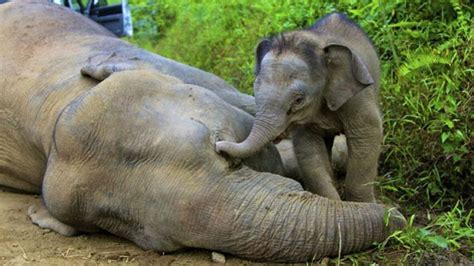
<point x="40" y="62"/>
<point x="40" y="59"/>
<point x="58" y="29"/>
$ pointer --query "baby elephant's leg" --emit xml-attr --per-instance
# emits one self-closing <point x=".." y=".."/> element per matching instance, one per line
<point x="313" y="159"/>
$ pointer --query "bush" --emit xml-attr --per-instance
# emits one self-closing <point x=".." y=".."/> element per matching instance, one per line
<point x="426" y="52"/>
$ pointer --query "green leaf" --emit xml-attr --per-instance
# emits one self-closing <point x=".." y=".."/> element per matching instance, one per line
<point x="459" y="135"/>
<point x="404" y="24"/>
<point x="424" y="232"/>
<point x="449" y="123"/>
<point x="456" y="158"/>
<point x="444" y="137"/>
<point x="438" y="241"/>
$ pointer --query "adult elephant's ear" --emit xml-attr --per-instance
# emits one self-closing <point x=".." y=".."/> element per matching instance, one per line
<point x="263" y="48"/>
<point x="348" y="74"/>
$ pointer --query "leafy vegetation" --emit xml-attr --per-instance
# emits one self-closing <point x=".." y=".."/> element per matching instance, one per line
<point x="450" y="230"/>
<point x="426" y="48"/>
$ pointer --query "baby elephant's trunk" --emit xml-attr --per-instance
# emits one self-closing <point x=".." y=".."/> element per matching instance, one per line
<point x="263" y="132"/>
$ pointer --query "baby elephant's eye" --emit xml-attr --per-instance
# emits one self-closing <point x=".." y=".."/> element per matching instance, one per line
<point x="297" y="104"/>
<point x="299" y="100"/>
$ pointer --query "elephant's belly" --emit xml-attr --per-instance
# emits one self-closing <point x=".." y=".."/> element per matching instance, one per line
<point x="22" y="165"/>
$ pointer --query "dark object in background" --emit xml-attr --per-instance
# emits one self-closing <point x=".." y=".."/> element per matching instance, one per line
<point x="114" y="17"/>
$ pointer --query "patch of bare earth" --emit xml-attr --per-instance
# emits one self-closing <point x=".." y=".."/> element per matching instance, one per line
<point x="22" y="242"/>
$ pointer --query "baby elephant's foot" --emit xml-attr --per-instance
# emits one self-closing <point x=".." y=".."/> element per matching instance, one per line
<point x="364" y="195"/>
<point x="40" y="215"/>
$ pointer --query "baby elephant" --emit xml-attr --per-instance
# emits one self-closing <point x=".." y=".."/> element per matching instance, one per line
<point x="318" y="83"/>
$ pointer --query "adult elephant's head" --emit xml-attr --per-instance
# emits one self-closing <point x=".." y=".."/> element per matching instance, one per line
<point x="298" y="73"/>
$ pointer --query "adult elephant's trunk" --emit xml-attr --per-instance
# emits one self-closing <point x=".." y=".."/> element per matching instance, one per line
<point x="264" y="131"/>
<point x="266" y="217"/>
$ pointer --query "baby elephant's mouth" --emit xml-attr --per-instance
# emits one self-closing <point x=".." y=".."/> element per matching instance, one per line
<point x="286" y="134"/>
<point x="280" y="137"/>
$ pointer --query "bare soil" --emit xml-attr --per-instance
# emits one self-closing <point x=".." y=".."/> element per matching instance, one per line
<point x="22" y="242"/>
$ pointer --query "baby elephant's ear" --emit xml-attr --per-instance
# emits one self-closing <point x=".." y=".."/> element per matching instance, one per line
<point x="348" y="74"/>
<point x="263" y="48"/>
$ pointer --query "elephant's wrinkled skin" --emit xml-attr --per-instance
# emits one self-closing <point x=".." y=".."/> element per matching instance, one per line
<point x="321" y="82"/>
<point x="134" y="154"/>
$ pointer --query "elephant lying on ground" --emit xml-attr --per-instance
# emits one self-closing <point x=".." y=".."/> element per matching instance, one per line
<point x="135" y="155"/>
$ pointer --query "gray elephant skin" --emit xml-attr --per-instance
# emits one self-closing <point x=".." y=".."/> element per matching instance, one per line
<point x="317" y="83"/>
<point x="134" y="154"/>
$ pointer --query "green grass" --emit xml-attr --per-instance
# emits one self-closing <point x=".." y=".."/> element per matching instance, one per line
<point x="447" y="237"/>
<point x="452" y="230"/>
<point x="426" y="49"/>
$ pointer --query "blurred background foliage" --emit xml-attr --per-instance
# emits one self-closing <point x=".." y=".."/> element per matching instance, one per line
<point x="426" y="49"/>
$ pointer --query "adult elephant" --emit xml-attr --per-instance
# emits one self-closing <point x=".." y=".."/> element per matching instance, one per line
<point x="134" y="154"/>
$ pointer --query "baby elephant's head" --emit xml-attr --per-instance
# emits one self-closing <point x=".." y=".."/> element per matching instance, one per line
<point x="298" y="73"/>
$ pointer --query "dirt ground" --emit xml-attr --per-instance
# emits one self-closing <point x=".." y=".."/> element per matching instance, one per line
<point x="22" y="242"/>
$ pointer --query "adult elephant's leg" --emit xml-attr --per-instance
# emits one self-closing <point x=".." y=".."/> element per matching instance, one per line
<point x="101" y="72"/>
<point x="313" y="158"/>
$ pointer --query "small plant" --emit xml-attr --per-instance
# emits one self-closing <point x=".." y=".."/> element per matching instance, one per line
<point x="451" y="230"/>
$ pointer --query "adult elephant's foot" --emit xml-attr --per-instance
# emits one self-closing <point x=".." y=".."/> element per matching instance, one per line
<point x="40" y="216"/>
<point x="101" y="72"/>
